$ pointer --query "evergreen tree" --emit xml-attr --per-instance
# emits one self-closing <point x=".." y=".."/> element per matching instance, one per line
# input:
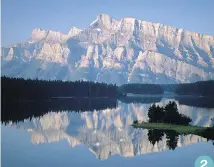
<point x="167" y="114"/>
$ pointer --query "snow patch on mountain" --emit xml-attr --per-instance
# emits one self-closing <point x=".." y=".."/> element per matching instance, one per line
<point x="113" y="51"/>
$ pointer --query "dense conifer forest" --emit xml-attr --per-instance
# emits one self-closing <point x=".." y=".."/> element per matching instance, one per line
<point x="202" y="88"/>
<point x="141" y="89"/>
<point x="169" y="87"/>
<point x="21" y="89"/>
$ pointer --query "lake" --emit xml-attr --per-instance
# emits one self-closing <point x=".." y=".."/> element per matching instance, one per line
<point x="103" y="137"/>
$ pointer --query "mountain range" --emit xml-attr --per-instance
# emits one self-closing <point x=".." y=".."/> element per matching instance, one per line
<point x="113" y="51"/>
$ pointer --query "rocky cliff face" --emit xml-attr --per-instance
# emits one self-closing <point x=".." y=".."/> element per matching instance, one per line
<point x="108" y="132"/>
<point x="113" y="51"/>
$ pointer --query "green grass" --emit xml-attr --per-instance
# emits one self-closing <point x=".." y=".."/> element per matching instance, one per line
<point x="182" y="129"/>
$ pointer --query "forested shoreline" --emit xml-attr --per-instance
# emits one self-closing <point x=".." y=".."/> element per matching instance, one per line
<point x="26" y="89"/>
<point x="136" y="88"/>
<point x="21" y="89"/>
<point x="201" y="88"/>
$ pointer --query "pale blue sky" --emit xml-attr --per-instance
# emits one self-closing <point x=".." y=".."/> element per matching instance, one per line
<point x="20" y="17"/>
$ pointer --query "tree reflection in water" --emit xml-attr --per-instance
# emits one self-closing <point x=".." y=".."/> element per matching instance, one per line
<point x="156" y="135"/>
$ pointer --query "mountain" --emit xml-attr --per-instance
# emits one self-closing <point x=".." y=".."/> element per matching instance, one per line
<point x="113" y="51"/>
<point x="108" y="132"/>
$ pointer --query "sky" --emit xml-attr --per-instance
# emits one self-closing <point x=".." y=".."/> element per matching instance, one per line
<point x="20" y="17"/>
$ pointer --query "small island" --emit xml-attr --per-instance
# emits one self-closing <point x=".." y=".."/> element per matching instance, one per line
<point x="167" y="120"/>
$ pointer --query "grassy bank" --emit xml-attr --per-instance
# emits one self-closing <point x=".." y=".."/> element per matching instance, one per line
<point x="182" y="129"/>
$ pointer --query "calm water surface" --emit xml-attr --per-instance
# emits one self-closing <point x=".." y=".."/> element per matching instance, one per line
<point x="101" y="138"/>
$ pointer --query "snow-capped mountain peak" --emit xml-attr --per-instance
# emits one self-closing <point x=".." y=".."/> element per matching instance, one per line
<point x="102" y="19"/>
<point x="74" y="31"/>
<point x="38" y="34"/>
<point x="114" y="51"/>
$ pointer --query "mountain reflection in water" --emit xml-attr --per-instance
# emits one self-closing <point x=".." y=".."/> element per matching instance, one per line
<point x="107" y="131"/>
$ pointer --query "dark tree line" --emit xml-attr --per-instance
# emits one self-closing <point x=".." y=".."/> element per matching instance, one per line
<point x="142" y="100"/>
<point x="169" y="87"/>
<point x="21" y="89"/>
<point x="18" y="111"/>
<point x="141" y="89"/>
<point x="202" y="88"/>
<point x="167" y="114"/>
